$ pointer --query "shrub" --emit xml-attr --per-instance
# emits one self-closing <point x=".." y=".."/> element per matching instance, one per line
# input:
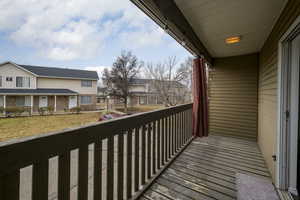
<point x="50" y="110"/>
<point x="75" y="110"/>
<point x="2" y="109"/>
<point x="42" y="111"/>
<point x="14" y="111"/>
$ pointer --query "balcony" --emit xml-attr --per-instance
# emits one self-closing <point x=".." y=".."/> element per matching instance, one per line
<point x="148" y="156"/>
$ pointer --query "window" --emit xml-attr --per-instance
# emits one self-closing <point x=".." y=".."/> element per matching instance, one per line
<point x="9" y="78"/>
<point x="86" y="83"/>
<point x="22" y="82"/>
<point x="0" y="81"/>
<point x="86" y="100"/>
<point x="20" y="101"/>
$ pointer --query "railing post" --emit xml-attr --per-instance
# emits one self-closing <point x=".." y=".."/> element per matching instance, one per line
<point x="129" y="164"/>
<point x="121" y="166"/>
<point x="110" y="168"/>
<point x="64" y="176"/>
<point x="40" y="180"/>
<point x="10" y="186"/>
<point x="143" y="170"/>
<point x="154" y="150"/>
<point x="158" y="143"/>
<point x="137" y="159"/>
<point x="97" y="169"/>
<point x="83" y="168"/>
<point x="149" y="144"/>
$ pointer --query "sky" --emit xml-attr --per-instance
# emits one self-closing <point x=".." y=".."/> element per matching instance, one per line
<point x="82" y="34"/>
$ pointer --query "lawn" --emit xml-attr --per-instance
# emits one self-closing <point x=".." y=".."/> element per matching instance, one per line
<point x="26" y="126"/>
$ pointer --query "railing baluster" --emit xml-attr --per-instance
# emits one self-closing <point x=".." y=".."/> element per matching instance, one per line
<point x="143" y="172"/>
<point x="40" y="176"/>
<point x="83" y="165"/>
<point x="64" y="176"/>
<point x="98" y="169"/>
<point x="176" y="131"/>
<point x="149" y="144"/>
<point x="158" y="143"/>
<point x="10" y="186"/>
<point x="137" y="160"/>
<point x="129" y="164"/>
<point x="154" y="141"/>
<point x="110" y="168"/>
<point x="169" y="137"/>
<point x="163" y="133"/>
<point x="121" y="166"/>
<point x="174" y="135"/>
<point x="166" y="140"/>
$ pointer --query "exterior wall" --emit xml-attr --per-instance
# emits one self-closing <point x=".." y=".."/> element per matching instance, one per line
<point x="35" y="103"/>
<point x="11" y="101"/>
<point x="91" y="106"/>
<point x="71" y="84"/>
<point x="138" y="88"/>
<point x="62" y="102"/>
<point x="232" y="95"/>
<point x="268" y="95"/>
<point x="9" y="70"/>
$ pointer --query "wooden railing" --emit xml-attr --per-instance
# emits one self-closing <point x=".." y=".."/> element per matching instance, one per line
<point x="116" y="159"/>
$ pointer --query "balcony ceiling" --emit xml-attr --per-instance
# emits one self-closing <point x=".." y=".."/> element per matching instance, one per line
<point x="215" y="20"/>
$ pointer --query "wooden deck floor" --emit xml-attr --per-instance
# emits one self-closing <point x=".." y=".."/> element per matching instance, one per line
<point x="207" y="170"/>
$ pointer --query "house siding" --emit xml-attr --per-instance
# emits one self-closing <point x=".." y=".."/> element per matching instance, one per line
<point x="10" y="70"/>
<point x="232" y="91"/>
<point x="71" y="84"/>
<point x="268" y="85"/>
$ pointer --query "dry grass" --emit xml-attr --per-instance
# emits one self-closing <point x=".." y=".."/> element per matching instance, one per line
<point x="26" y="126"/>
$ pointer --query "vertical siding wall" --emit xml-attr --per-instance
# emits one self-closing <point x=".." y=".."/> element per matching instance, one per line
<point x="233" y="94"/>
<point x="267" y="104"/>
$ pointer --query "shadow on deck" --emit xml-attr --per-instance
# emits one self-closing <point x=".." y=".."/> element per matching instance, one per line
<point x="207" y="169"/>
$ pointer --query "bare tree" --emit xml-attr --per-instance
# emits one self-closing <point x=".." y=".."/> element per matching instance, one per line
<point x="124" y="69"/>
<point x="167" y="80"/>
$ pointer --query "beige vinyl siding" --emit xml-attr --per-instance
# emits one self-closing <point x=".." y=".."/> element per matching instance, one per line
<point x="268" y="95"/>
<point x="232" y="95"/>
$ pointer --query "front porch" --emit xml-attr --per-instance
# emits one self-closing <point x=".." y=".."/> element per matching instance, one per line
<point x="32" y="103"/>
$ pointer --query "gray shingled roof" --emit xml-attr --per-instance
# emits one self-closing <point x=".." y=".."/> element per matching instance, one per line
<point x="37" y="91"/>
<point x="61" y="72"/>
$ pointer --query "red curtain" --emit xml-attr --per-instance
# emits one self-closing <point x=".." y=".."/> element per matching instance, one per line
<point x="200" y="106"/>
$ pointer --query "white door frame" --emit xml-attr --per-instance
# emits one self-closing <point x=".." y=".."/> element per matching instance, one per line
<point x="76" y="100"/>
<point x="283" y="129"/>
<point x="40" y="99"/>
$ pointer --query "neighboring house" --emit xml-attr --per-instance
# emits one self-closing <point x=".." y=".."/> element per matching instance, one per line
<point x="36" y="87"/>
<point x="143" y="91"/>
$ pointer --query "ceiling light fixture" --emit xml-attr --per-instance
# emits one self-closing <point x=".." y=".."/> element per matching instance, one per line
<point x="232" y="40"/>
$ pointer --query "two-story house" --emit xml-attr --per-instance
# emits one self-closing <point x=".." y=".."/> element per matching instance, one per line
<point x="36" y="87"/>
<point x="145" y="91"/>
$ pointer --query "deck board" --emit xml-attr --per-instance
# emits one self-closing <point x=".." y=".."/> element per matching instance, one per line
<point x="207" y="169"/>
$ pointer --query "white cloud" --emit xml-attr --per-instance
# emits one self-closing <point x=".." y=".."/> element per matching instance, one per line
<point x="75" y="29"/>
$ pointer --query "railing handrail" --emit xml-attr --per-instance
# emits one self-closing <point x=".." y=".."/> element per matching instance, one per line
<point x="16" y="154"/>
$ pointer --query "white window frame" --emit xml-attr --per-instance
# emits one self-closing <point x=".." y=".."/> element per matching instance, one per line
<point x="283" y="136"/>
<point x="85" y="103"/>
<point x="25" y="82"/>
<point x="86" y="83"/>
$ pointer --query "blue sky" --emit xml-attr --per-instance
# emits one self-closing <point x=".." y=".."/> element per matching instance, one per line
<point x="80" y="34"/>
